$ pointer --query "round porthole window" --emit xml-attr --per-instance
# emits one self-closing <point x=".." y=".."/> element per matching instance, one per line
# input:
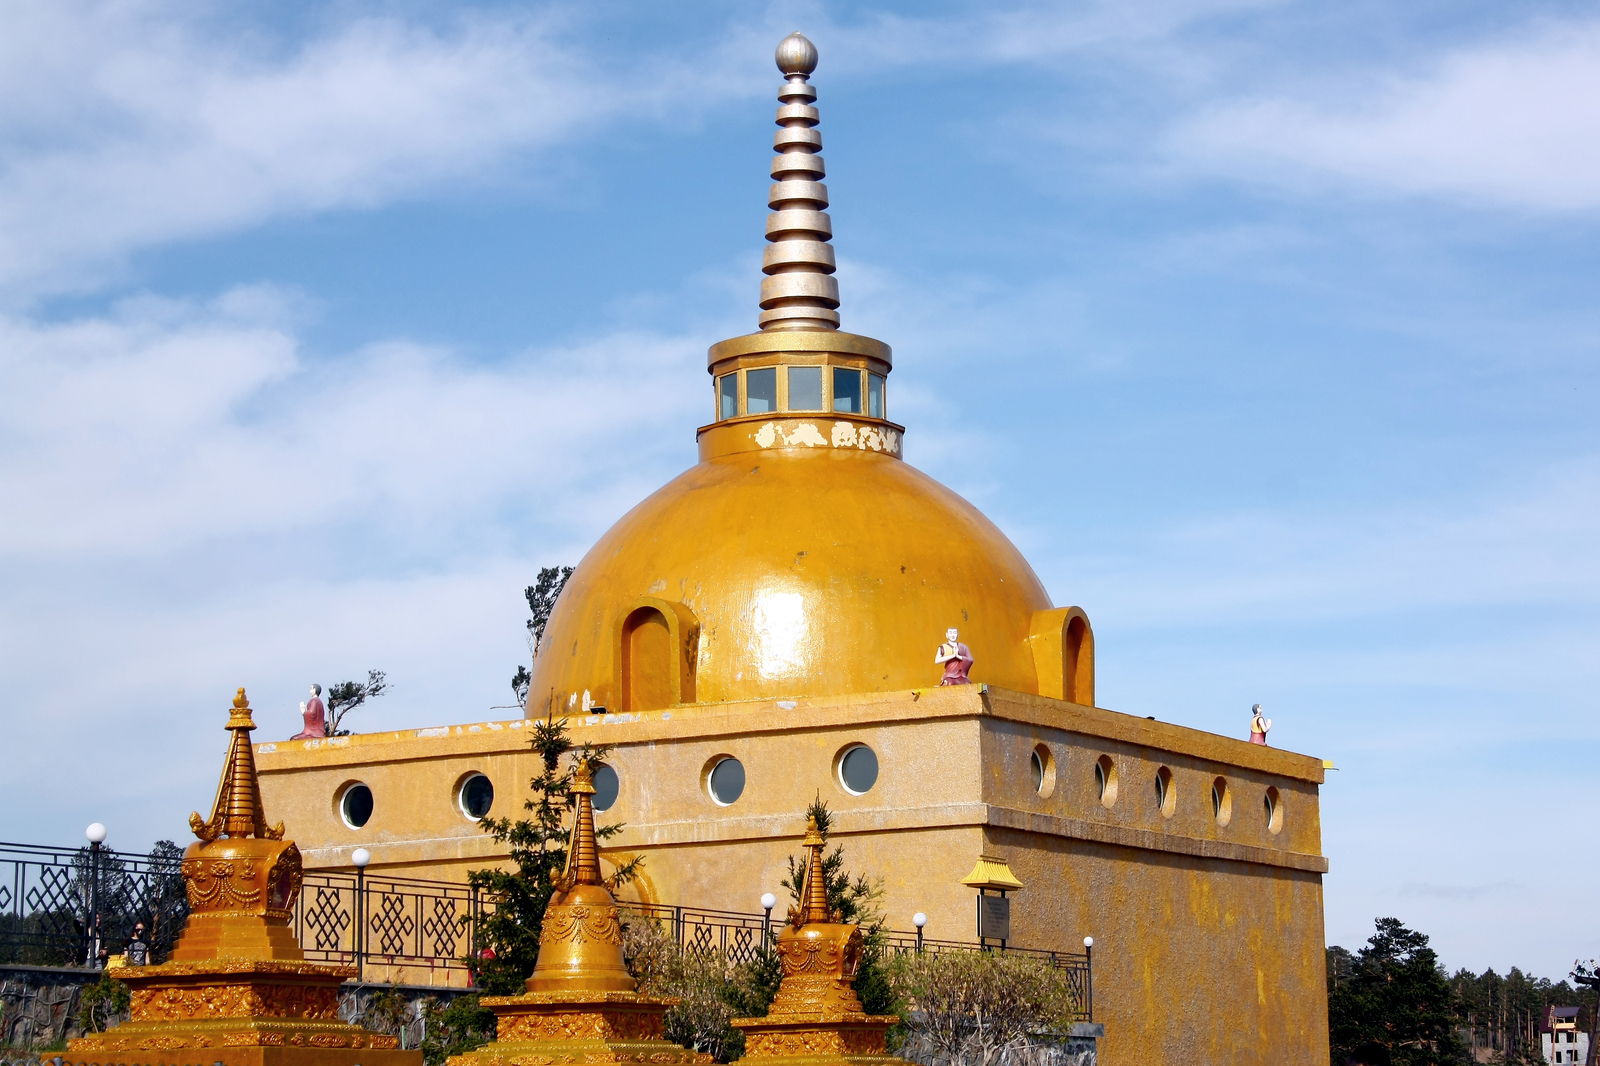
<point x="725" y="780"/>
<point x="1166" y="799"/>
<point x="476" y="796"/>
<point x="858" y="769"/>
<point x="355" y="806"/>
<point x="606" y="787"/>
<point x="1274" y="809"/>
<point x="1042" y="770"/>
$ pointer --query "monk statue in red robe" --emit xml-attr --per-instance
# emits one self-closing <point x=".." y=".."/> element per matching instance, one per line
<point x="316" y="718"/>
<point x="957" y="660"/>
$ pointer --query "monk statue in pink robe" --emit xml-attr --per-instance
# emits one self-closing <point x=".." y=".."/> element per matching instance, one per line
<point x="957" y="660"/>
<point x="1259" y="724"/>
<point x="316" y="719"/>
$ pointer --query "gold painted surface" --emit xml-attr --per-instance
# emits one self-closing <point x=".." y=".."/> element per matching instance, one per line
<point x="833" y="571"/>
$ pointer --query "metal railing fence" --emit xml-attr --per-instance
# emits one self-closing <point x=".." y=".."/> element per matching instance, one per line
<point x="72" y="906"/>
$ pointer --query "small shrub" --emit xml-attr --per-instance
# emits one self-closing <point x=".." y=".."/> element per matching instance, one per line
<point x="103" y="1004"/>
<point x="968" y="1008"/>
<point x="711" y="991"/>
<point x="465" y="1025"/>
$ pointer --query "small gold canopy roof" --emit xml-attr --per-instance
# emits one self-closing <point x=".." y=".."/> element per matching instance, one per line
<point x="992" y="871"/>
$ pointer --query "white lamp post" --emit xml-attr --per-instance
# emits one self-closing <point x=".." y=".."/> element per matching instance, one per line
<point x="360" y="857"/>
<point x="768" y="901"/>
<point x="97" y="836"/>
<point x="919" y="920"/>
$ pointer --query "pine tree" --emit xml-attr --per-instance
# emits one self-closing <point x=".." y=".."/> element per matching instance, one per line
<point x="1396" y="995"/>
<point x="538" y="843"/>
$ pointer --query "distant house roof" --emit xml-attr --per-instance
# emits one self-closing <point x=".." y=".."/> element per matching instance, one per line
<point x="1561" y="1014"/>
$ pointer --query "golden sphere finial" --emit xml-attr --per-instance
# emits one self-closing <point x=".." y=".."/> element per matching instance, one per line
<point x="796" y="55"/>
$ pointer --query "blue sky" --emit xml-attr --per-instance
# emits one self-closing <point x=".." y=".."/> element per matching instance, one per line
<point x="1267" y="330"/>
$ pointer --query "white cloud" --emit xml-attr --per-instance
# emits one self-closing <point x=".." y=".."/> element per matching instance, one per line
<point x="175" y="424"/>
<point x="193" y="504"/>
<point x="1510" y="123"/>
<point x="124" y="125"/>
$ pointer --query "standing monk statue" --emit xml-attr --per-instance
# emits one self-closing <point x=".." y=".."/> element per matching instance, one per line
<point x="315" y="716"/>
<point x="957" y="660"/>
<point x="1258" y="725"/>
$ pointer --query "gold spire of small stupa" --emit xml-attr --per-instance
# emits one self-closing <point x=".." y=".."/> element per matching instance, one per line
<point x="799" y="291"/>
<point x="580" y="942"/>
<point x="814" y="908"/>
<point x="583" y="858"/>
<point x="237" y="812"/>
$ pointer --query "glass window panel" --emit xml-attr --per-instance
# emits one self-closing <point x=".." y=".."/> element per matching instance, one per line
<point x="727" y="396"/>
<point x="761" y="390"/>
<point x="805" y="388"/>
<point x="477" y="796"/>
<point x="858" y="770"/>
<point x="726" y="781"/>
<point x="606" y="786"/>
<point x="875" y="396"/>
<point x="847" y="390"/>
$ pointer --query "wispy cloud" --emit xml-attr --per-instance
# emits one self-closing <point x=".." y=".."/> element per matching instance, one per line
<point x="1510" y="122"/>
<point x="1437" y="891"/>
<point x="131" y="124"/>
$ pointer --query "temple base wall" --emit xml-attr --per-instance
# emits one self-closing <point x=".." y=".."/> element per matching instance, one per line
<point x="1208" y="926"/>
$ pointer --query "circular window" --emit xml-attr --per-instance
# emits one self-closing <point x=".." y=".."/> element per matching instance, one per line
<point x="725" y="781"/>
<point x="1105" y="780"/>
<point x="858" y="770"/>
<point x="1166" y="799"/>
<point x="1221" y="801"/>
<point x="606" y="787"/>
<point x="1042" y="770"/>
<point x="355" y="806"/>
<point x="1274" y="806"/>
<point x="476" y="796"/>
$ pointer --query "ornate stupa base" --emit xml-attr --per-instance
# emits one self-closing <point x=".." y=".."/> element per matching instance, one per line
<point x="816" y="1018"/>
<point x="238" y="990"/>
<point x="244" y="1013"/>
<point x="549" y="1028"/>
<point x="825" y="1040"/>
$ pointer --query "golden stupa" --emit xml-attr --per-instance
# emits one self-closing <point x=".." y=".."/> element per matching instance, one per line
<point x="771" y="626"/>
<point x="581" y="1004"/>
<point x="816" y="1019"/>
<point x="237" y="989"/>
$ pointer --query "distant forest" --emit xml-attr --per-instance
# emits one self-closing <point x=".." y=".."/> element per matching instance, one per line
<point x="1393" y="991"/>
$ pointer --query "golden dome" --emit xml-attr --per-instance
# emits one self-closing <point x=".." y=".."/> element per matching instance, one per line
<point x="801" y="557"/>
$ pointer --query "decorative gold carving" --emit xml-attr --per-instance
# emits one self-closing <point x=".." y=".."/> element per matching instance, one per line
<point x="171" y="1003"/>
<point x="579" y="923"/>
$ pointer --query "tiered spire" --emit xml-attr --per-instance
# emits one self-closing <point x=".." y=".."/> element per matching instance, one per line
<point x="237" y="810"/>
<point x="583" y="861"/>
<point x="815" y="905"/>
<point x="799" y="291"/>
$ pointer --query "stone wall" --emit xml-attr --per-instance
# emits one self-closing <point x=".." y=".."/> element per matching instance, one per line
<point x="39" y="1004"/>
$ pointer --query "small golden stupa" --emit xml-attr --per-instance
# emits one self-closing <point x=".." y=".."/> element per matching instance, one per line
<point x="581" y="1005"/>
<point x="816" y="1019"/>
<point x="237" y="989"/>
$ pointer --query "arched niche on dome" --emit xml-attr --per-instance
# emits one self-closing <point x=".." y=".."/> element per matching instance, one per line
<point x="655" y="653"/>
<point x="1063" y="654"/>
